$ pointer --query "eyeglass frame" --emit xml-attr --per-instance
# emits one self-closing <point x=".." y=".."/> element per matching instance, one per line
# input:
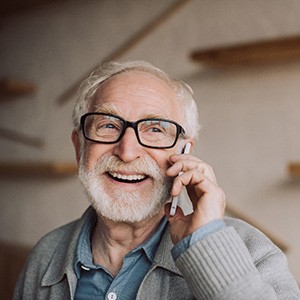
<point x="134" y="125"/>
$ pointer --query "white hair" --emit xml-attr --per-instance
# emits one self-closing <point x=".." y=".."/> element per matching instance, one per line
<point x="183" y="91"/>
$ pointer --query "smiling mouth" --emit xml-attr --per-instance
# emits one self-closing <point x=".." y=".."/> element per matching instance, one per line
<point x="127" y="178"/>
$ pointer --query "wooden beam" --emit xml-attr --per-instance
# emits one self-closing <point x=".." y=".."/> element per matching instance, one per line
<point x="12" y="87"/>
<point x="8" y="8"/>
<point x="21" y="138"/>
<point x="294" y="169"/>
<point x="255" y="53"/>
<point x="127" y="45"/>
<point x="37" y="169"/>
<point x="234" y="212"/>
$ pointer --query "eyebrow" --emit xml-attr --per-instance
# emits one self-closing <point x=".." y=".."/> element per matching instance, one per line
<point x="113" y="111"/>
<point x="155" y="116"/>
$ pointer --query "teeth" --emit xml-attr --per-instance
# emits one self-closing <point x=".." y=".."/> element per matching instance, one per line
<point x="127" y="177"/>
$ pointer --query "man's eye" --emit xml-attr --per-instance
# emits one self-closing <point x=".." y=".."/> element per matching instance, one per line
<point x="101" y="126"/>
<point x="108" y="126"/>
<point x="155" y="129"/>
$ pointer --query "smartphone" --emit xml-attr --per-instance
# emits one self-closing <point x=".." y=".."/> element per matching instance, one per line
<point x="186" y="150"/>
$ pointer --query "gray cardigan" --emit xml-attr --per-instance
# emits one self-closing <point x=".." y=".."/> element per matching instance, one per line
<point x="237" y="262"/>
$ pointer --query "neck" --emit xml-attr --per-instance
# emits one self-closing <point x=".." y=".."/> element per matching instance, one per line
<point x="111" y="241"/>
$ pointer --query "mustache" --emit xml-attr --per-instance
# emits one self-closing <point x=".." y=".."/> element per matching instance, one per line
<point x="144" y="166"/>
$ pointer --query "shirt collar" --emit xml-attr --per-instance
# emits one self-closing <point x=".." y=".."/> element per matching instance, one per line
<point x="83" y="255"/>
<point x="150" y="246"/>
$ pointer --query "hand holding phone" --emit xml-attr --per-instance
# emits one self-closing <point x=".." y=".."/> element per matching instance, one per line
<point x="173" y="208"/>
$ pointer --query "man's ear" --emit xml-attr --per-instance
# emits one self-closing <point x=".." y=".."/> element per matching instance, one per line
<point x="76" y="143"/>
<point x="192" y="142"/>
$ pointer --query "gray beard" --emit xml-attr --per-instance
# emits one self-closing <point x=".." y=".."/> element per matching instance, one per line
<point x="119" y="205"/>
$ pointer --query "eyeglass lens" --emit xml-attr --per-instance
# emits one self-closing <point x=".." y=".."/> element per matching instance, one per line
<point x="151" y="132"/>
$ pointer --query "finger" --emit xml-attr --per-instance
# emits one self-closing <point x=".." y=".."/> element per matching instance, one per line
<point x="176" y="157"/>
<point x="183" y="162"/>
<point x="182" y="165"/>
<point x="187" y="165"/>
<point x="192" y="177"/>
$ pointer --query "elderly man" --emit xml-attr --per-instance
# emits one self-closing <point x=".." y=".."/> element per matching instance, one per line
<point x="131" y="125"/>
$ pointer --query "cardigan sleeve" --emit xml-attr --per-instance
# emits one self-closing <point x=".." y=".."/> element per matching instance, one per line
<point x="232" y="265"/>
<point x="196" y="236"/>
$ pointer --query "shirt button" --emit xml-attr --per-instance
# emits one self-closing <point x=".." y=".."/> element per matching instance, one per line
<point x="85" y="268"/>
<point x="112" y="296"/>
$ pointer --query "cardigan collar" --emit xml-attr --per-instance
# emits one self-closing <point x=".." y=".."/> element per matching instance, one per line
<point x="62" y="262"/>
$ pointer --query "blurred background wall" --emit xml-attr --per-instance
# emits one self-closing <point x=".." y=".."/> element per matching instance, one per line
<point x="249" y="115"/>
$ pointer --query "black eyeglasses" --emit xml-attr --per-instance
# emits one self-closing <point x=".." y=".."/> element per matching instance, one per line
<point x="150" y="132"/>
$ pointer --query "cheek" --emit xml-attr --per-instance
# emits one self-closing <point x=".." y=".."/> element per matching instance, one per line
<point x="91" y="154"/>
<point x="162" y="159"/>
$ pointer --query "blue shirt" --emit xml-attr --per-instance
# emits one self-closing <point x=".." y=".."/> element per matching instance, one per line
<point x="95" y="282"/>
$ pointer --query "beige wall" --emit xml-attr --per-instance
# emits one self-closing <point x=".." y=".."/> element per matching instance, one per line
<point x="250" y="117"/>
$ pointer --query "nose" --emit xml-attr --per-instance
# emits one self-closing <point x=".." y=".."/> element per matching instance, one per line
<point x="128" y="149"/>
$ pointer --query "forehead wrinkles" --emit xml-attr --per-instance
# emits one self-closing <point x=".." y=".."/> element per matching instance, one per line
<point x="107" y="108"/>
<point x="138" y="86"/>
<point x="135" y="83"/>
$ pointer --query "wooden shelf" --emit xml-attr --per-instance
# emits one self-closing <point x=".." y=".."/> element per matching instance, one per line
<point x="294" y="169"/>
<point x="255" y="53"/>
<point x="12" y="87"/>
<point x="38" y="169"/>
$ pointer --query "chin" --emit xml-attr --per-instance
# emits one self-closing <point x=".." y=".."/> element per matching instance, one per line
<point x="132" y="211"/>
